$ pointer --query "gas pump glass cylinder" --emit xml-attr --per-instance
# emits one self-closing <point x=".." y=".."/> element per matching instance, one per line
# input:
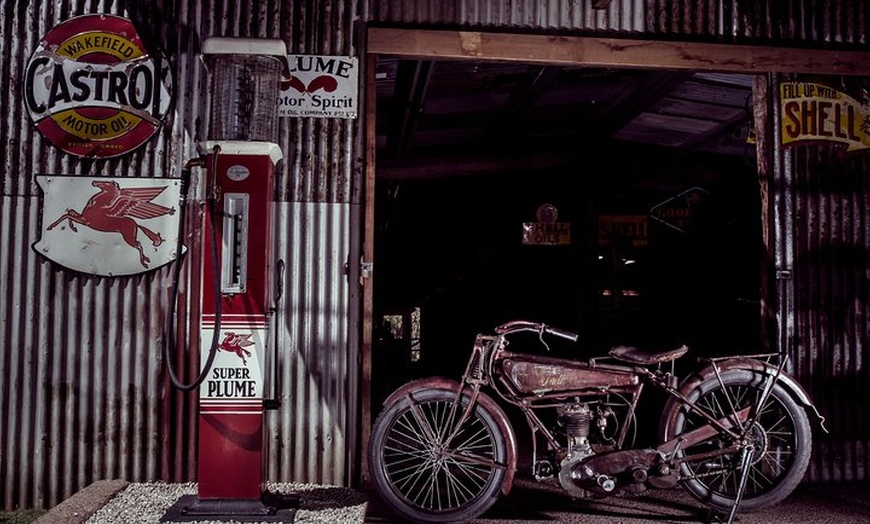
<point x="244" y="97"/>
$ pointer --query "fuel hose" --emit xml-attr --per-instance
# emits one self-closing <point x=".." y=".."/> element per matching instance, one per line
<point x="169" y="345"/>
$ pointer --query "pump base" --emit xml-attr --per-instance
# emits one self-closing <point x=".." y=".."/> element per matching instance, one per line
<point x="190" y="508"/>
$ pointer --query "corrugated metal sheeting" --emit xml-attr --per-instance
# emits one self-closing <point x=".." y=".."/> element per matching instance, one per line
<point x="83" y="393"/>
<point x="514" y="14"/>
<point x="82" y="388"/>
<point x="820" y="242"/>
<point x="313" y="435"/>
<point x="835" y="21"/>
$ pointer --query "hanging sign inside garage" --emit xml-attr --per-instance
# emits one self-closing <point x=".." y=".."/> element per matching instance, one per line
<point x="680" y="212"/>
<point x="547" y="231"/>
<point x="320" y="87"/>
<point x="617" y="230"/>
<point x="94" y="89"/>
<point x="816" y="113"/>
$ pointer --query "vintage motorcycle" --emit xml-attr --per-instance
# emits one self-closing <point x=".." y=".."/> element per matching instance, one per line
<point x="733" y="432"/>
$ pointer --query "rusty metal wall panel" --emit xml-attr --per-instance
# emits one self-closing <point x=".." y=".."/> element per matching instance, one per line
<point x="82" y="383"/>
<point x="830" y="271"/>
<point x="834" y="22"/>
<point x="686" y="17"/>
<point x="313" y="436"/>
<point x="842" y="22"/>
<point x="81" y="388"/>
<point x="86" y="395"/>
<point x="620" y="15"/>
<point x="322" y="156"/>
<point x="820" y="242"/>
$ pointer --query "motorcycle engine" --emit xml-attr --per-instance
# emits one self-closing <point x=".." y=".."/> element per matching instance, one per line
<point x="584" y="471"/>
<point x="576" y="419"/>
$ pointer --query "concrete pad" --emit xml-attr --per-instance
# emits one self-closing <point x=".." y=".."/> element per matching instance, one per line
<point x="78" y="508"/>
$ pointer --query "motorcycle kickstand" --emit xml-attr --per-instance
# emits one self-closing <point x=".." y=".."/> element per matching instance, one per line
<point x="714" y="516"/>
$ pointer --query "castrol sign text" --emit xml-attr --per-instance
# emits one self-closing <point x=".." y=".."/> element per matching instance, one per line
<point x="93" y="89"/>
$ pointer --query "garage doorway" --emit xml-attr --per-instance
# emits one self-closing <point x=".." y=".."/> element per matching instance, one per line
<point x="448" y="229"/>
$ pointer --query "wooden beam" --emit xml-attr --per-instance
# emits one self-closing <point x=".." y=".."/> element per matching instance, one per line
<point x="614" y="52"/>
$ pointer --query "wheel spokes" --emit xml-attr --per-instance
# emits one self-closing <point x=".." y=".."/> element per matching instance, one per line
<point x="428" y="473"/>
<point x="772" y="435"/>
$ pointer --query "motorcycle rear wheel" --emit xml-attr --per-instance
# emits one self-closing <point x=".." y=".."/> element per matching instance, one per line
<point x="781" y="434"/>
<point x="426" y="479"/>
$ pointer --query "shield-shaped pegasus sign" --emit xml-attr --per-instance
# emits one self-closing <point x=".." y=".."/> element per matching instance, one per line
<point x="109" y="226"/>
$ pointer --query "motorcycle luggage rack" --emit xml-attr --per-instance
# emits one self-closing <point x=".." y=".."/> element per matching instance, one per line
<point x="766" y="356"/>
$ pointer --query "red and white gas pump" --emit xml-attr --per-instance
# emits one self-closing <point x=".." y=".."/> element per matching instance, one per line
<point x="240" y="158"/>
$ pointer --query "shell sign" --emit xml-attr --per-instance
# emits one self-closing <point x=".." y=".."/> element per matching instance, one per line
<point x="94" y="89"/>
<point x="816" y="113"/>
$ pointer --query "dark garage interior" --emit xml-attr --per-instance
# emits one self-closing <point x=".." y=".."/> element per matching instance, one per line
<point x="653" y="172"/>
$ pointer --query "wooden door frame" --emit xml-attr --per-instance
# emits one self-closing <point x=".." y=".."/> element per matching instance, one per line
<point x="567" y="51"/>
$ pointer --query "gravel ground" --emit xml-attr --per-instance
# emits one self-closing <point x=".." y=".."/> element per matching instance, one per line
<point x="145" y="503"/>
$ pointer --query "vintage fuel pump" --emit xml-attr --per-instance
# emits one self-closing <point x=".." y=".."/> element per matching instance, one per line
<point x="239" y="159"/>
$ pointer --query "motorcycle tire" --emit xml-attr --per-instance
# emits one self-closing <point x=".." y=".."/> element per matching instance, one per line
<point x="782" y="436"/>
<point x="425" y="480"/>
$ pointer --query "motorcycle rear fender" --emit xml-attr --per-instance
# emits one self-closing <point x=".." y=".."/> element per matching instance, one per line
<point x="785" y="380"/>
<point x="486" y="401"/>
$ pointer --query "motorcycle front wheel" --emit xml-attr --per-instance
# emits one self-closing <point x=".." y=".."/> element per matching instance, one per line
<point x="425" y="475"/>
<point x="781" y="436"/>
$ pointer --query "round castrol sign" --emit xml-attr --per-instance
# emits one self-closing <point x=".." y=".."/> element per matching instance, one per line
<point x="93" y="89"/>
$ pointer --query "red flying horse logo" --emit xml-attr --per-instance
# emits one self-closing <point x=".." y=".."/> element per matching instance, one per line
<point x="325" y="82"/>
<point x="235" y="343"/>
<point x="113" y="210"/>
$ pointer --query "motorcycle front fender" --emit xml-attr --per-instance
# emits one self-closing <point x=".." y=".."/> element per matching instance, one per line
<point x="486" y="401"/>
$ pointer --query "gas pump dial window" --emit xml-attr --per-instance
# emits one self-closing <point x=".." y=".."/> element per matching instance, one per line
<point x="234" y="247"/>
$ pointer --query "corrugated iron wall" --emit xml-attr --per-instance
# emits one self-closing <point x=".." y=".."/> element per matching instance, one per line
<point x="513" y="14"/>
<point x="820" y="245"/>
<point x="313" y="435"/>
<point x="83" y="394"/>
<point x="82" y="385"/>
<point x="835" y="21"/>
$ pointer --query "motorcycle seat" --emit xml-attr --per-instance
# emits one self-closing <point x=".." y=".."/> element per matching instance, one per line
<point x="635" y="355"/>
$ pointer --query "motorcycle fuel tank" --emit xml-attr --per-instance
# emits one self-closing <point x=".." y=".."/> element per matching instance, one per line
<point x="541" y="376"/>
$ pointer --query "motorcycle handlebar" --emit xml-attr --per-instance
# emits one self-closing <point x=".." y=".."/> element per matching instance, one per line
<point x="515" y="326"/>
<point x="561" y="333"/>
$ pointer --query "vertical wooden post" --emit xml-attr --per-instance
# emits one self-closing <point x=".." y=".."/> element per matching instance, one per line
<point x="368" y="256"/>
